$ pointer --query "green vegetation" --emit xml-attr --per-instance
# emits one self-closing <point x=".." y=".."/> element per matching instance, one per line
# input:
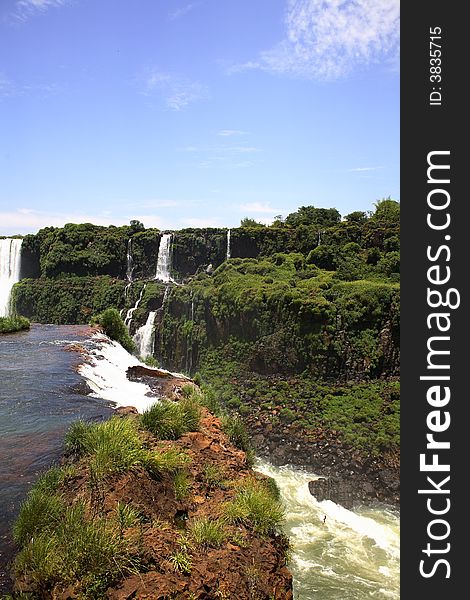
<point x="114" y="328"/>
<point x="207" y="532"/>
<point x="12" y="324"/>
<point x="181" y="562"/>
<point x="236" y="431"/>
<point x="182" y="483"/>
<point x="169" y="420"/>
<point x="112" y="446"/>
<point x="214" y="476"/>
<point x="255" y="506"/>
<point x="71" y="548"/>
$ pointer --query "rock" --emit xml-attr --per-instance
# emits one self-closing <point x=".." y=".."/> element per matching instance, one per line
<point x="125" y="411"/>
<point x="334" y="489"/>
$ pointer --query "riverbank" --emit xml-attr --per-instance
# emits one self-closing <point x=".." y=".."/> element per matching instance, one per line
<point x="136" y="513"/>
<point x="13" y="324"/>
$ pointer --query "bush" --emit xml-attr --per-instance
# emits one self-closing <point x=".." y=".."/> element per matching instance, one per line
<point x="206" y="532"/>
<point x="114" y="327"/>
<point x="255" y="506"/>
<point x="12" y="324"/>
<point x="169" y="420"/>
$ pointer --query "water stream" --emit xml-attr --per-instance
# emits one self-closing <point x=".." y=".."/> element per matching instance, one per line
<point x="10" y="266"/>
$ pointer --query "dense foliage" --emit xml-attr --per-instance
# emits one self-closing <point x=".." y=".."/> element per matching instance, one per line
<point x="12" y="324"/>
<point x="114" y="327"/>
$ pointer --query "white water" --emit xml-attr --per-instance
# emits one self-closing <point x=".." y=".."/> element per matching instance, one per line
<point x="10" y="265"/>
<point x="354" y="555"/>
<point x="131" y="311"/>
<point x="129" y="261"/>
<point x="105" y="373"/>
<point x="164" y="258"/>
<point x="228" y="244"/>
<point x="145" y="335"/>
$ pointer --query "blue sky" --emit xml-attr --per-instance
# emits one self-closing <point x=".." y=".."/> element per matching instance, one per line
<point x="195" y="113"/>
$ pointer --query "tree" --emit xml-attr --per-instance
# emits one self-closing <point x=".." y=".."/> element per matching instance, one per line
<point x="309" y="215"/>
<point x="136" y="226"/>
<point x="247" y="222"/>
<point x="387" y="210"/>
<point x="358" y="216"/>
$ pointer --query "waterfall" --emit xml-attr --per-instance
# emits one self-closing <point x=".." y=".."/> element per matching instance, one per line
<point x="130" y="261"/>
<point x="144" y="336"/>
<point x="10" y="264"/>
<point x="319" y="239"/>
<point x="130" y="312"/>
<point x="228" y="244"/>
<point x="164" y="258"/>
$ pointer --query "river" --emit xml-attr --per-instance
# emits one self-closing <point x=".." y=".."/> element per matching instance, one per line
<point x="350" y="555"/>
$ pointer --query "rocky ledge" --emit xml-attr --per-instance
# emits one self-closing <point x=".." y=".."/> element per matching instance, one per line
<point x="349" y="477"/>
<point x="176" y="525"/>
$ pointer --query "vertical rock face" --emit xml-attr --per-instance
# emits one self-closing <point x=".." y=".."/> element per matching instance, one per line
<point x="10" y="266"/>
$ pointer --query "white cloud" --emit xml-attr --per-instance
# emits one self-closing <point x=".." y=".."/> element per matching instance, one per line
<point x="181" y="12"/>
<point x="259" y="208"/>
<point x="329" y="39"/>
<point x="28" y="8"/>
<point x="178" y="91"/>
<point x="362" y="169"/>
<point x="7" y="87"/>
<point x="231" y="132"/>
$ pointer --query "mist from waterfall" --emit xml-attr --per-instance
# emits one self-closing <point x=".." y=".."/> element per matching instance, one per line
<point x="10" y="266"/>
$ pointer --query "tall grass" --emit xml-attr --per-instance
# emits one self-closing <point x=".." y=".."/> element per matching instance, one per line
<point x="255" y="506"/>
<point x="207" y="532"/>
<point x="169" y="420"/>
<point x="114" y="446"/>
<point x="75" y="549"/>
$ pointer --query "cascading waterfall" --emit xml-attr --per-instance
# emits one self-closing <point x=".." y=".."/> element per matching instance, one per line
<point x="144" y="337"/>
<point x="228" y="245"/>
<point x="350" y="554"/>
<point x="130" y="261"/>
<point x="131" y="311"/>
<point x="164" y="258"/>
<point x="10" y="265"/>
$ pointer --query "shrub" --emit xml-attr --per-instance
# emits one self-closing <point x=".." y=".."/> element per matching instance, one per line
<point x="255" y="506"/>
<point x="207" y="532"/>
<point x="114" y="327"/>
<point x="169" y="420"/>
<point x="12" y="324"/>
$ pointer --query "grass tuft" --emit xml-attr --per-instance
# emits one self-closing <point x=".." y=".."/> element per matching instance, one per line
<point x="255" y="506"/>
<point x="206" y="532"/>
<point x="169" y="420"/>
